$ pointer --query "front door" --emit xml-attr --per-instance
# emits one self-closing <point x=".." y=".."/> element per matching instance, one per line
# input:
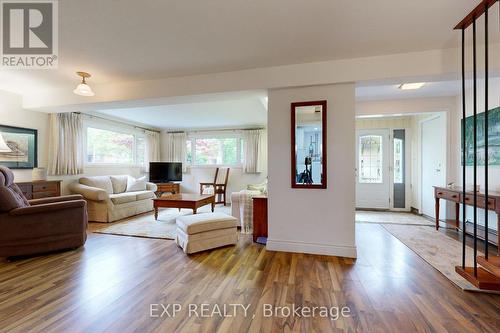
<point x="372" y="169"/>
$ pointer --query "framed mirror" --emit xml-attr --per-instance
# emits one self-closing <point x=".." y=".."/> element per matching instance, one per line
<point x="309" y="145"/>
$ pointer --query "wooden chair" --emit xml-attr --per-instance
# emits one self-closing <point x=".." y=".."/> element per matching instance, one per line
<point x="219" y="185"/>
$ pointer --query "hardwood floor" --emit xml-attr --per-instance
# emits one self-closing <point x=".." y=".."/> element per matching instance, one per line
<point x="109" y="286"/>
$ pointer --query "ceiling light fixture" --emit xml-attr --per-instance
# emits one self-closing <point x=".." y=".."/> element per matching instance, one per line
<point x="411" y="86"/>
<point x="83" y="89"/>
<point x="3" y="145"/>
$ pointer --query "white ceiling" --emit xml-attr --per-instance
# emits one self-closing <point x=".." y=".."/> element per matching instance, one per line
<point x="220" y="113"/>
<point x="392" y="91"/>
<point x="140" y="40"/>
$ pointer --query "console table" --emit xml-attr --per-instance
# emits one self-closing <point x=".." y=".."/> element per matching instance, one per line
<point x="173" y="188"/>
<point x="456" y="195"/>
<point x="39" y="189"/>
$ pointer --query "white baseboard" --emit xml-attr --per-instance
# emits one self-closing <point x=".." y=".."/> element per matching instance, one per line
<point x="311" y="248"/>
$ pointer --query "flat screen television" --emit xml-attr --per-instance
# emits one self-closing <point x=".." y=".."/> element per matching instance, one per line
<point x="164" y="172"/>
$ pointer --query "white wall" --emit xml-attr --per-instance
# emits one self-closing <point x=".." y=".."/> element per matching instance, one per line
<point x="12" y="114"/>
<point x="419" y="66"/>
<point x="306" y="220"/>
<point x="494" y="170"/>
<point x="418" y="109"/>
<point x="238" y="179"/>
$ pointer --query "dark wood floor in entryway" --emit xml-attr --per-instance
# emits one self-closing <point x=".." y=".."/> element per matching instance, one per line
<point x="109" y="285"/>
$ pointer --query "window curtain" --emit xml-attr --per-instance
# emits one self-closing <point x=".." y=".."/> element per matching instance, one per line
<point x="176" y="149"/>
<point x="66" y="153"/>
<point x="152" y="148"/>
<point x="254" y="150"/>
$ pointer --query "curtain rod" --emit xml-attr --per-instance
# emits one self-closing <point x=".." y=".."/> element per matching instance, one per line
<point x="218" y="130"/>
<point x="117" y="121"/>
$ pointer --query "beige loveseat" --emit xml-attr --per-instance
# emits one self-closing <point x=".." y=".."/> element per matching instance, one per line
<point x="108" y="199"/>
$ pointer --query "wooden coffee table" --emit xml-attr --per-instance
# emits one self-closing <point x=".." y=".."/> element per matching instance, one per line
<point x="183" y="200"/>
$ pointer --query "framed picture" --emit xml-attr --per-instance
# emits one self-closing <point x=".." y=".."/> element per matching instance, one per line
<point x="493" y="138"/>
<point x="18" y="147"/>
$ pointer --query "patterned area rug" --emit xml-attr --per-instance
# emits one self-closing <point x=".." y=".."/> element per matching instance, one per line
<point x="144" y="225"/>
<point x="440" y="251"/>
<point x="391" y="218"/>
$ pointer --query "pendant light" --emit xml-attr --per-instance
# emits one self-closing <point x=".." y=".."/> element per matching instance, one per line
<point x="83" y="89"/>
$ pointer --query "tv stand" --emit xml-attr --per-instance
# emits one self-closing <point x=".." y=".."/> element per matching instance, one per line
<point x="173" y="188"/>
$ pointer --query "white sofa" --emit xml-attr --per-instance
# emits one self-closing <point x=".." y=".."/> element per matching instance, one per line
<point x="108" y="199"/>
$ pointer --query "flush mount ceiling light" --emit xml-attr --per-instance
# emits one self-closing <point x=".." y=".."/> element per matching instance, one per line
<point x="3" y="145"/>
<point x="83" y="89"/>
<point x="411" y="86"/>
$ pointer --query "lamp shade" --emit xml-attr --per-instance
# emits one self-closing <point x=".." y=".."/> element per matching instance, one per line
<point x="3" y="145"/>
<point x="83" y="89"/>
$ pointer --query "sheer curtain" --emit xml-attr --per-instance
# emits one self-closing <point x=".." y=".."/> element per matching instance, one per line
<point x="254" y="150"/>
<point x="176" y="148"/>
<point x="152" y="148"/>
<point x="66" y="144"/>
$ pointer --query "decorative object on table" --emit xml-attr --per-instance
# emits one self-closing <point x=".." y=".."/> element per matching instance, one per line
<point x="493" y="138"/>
<point x="308" y="145"/>
<point x="218" y="186"/>
<point x="39" y="174"/>
<point x="451" y="185"/>
<point x="18" y="147"/>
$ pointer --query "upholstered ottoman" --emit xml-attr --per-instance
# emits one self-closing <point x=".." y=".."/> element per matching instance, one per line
<point x="200" y="232"/>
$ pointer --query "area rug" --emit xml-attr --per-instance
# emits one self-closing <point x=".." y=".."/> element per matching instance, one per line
<point x="144" y="225"/>
<point x="391" y="218"/>
<point x="440" y="251"/>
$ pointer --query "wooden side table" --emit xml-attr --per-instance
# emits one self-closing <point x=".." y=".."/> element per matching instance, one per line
<point x="39" y="189"/>
<point x="259" y="217"/>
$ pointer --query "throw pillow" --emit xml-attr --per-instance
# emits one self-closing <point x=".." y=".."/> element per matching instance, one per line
<point x="134" y="184"/>
<point x="258" y="187"/>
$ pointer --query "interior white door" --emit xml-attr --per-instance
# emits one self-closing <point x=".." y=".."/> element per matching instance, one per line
<point x="433" y="162"/>
<point x="372" y="169"/>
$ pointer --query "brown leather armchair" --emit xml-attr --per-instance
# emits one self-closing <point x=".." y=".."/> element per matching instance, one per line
<point x="40" y="225"/>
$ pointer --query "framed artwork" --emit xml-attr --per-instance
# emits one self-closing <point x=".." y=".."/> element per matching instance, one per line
<point x="493" y="138"/>
<point x="18" y="147"/>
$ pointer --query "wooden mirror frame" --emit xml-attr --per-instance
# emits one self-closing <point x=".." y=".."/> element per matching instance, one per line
<point x="323" y="184"/>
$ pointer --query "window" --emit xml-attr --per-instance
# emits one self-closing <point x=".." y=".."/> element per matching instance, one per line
<point x="111" y="147"/>
<point x="214" y="151"/>
<point x="189" y="152"/>
<point x="370" y="159"/>
<point x="398" y="161"/>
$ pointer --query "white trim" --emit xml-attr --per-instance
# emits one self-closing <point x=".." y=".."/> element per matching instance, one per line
<point x="312" y="248"/>
<point x="444" y="114"/>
